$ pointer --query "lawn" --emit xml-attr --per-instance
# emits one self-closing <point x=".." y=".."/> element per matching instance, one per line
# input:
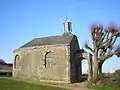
<point x="10" y="84"/>
<point x="104" y="87"/>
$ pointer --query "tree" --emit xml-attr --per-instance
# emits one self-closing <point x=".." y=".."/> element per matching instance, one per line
<point x="118" y="51"/>
<point x="103" y="42"/>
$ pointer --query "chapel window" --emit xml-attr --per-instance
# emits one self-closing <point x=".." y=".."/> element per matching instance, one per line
<point x="48" y="59"/>
<point x="17" y="62"/>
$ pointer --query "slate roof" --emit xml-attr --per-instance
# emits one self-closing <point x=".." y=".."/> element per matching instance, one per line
<point x="61" y="39"/>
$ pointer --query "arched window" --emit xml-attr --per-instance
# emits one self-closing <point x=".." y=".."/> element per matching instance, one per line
<point x="48" y="59"/>
<point x="17" y="62"/>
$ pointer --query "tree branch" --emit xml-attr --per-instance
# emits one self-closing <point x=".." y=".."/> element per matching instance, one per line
<point x="109" y="55"/>
<point x="114" y="40"/>
<point x="102" y="38"/>
<point x="107" y="35"/>
<point x="106" y="42"/>
<point x="105" y="57"/>
<point x="87" y="47"/>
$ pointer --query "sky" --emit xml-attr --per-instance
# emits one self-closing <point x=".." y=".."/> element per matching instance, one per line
<point x="23" y="20"/>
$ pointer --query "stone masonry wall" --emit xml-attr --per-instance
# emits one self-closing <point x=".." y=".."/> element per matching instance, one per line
<point x="75" y="65"/>
<point x="31" y="64"/>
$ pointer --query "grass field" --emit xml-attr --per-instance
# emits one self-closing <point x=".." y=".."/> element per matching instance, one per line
<point x="10" y="84"/>
<point x="104" y="87"/>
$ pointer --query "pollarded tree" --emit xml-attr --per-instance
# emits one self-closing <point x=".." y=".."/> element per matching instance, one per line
<point x="103" y="41"/>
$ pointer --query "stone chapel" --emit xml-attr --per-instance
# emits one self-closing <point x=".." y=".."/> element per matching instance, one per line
<point x="50" y="59"/>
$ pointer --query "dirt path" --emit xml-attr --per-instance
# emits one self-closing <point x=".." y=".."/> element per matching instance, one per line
<point x="76" y="86"/>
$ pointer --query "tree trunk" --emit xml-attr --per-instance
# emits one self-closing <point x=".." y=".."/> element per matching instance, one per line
<point x="95" y="73"/>
<point x="90" y="68"/>
<point x="100" y="66"/>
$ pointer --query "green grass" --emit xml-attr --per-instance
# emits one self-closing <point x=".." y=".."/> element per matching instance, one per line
<point x="10" y="84"/>
<point x="104" y="87"/>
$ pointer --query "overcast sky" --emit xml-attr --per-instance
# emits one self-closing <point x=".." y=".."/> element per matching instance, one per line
<point x="23" y="20"/>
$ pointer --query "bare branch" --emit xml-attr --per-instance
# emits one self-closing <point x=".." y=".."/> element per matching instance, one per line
<point x="103" y="58"/>
<point x="102" y="38"/>
<point x="106" y="42"/>
<point x="107" y="35"/>
<point x="114" y="40"/>
<point x="117" y="51"/>
<point x="108" y="56"/>
<point x="87" y="47"/>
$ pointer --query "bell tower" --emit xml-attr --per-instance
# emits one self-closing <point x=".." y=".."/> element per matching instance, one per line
<point x="67" y="26"/>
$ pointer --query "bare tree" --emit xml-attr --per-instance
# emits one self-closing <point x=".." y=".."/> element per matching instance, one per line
<point x="103" y="42"/>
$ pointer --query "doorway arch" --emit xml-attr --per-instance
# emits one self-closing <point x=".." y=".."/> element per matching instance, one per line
<point x="88" y="59"/>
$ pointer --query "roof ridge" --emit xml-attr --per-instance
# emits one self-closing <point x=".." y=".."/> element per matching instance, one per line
<point x="47" y="36"/>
